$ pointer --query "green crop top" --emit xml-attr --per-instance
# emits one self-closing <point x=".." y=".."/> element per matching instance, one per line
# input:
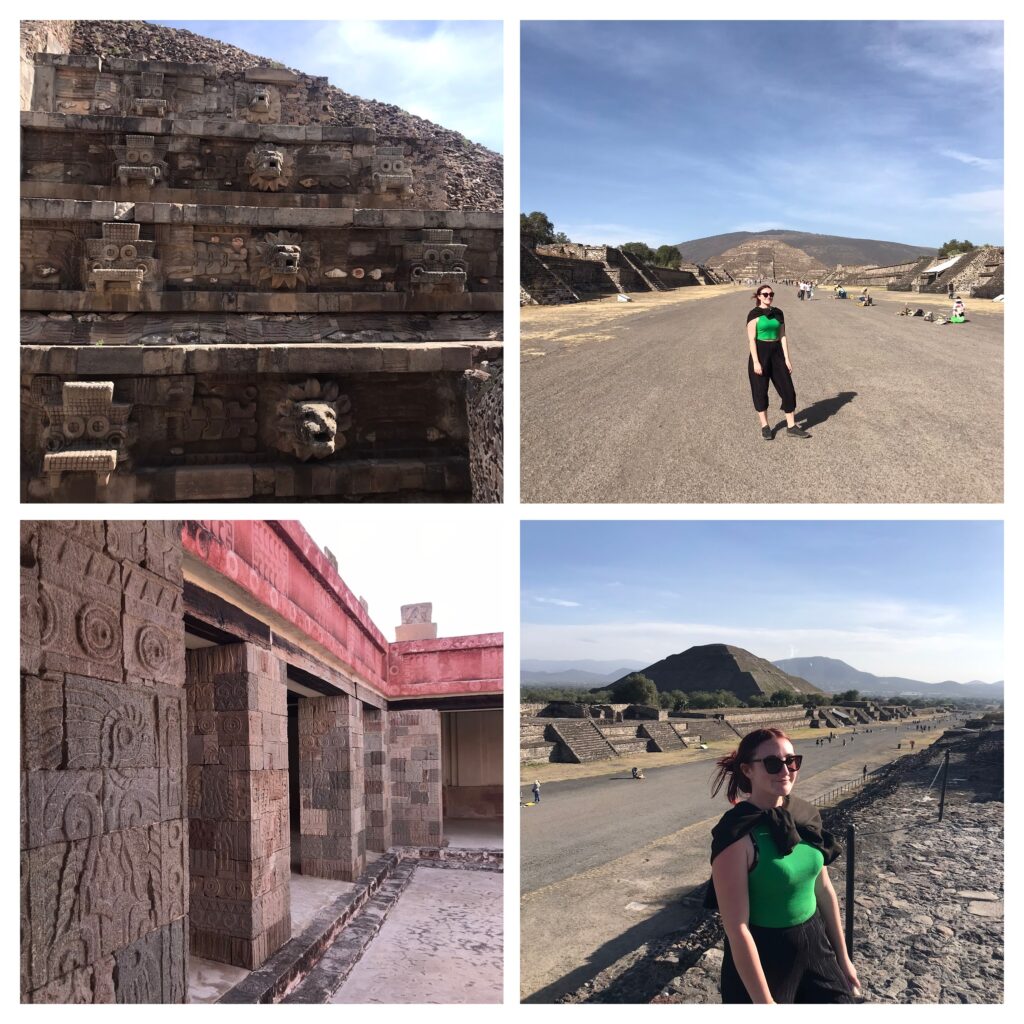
<point x="770" y="323"/>
<point x="781" y="889"/>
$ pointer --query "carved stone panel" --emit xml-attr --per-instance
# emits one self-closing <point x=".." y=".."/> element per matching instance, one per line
<point x="310" y="419"/>
<point x="121" y="261"/>
<point x="434" y="262"/>
<point x="391" y="170"/>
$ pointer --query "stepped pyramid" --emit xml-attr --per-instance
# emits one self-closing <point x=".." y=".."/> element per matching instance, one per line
<point x="722" y="667"/>
<point x="768" y="259"/>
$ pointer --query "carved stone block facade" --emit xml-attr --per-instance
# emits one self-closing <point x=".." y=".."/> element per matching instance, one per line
<point x="414" y="761"/>
<point x="173" y="213"/>
<point x="104" y="837"/>
<point x="238" y="804"/>
<point x="331" y="787"/>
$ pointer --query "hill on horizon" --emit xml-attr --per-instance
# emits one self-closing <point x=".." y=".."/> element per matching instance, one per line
<point x="833" y="675"/>
<point x="827" y="250"/>
<point x="723" y="667"/>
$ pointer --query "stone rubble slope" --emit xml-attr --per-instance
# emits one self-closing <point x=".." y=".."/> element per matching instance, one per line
<point x="474" y="179"/>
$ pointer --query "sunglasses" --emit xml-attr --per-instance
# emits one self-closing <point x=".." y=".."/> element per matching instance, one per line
<point x="767" y="295"/>
<point x="773" y="764"/>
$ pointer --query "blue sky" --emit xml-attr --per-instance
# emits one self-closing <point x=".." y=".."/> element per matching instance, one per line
<point x="666" y="131"/>
<point x="449" y="72"/>
<point x="916" y="599"/>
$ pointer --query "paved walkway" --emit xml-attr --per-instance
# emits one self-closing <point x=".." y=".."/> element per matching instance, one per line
<point x="442" y="943"/>
<point x="650" y="402"/>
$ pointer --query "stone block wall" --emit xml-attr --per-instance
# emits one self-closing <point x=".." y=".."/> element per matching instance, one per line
<point x="331" y="773"/>
<point x="485" y="409"/>
<point x="414" y="751"/>
<point x="239" y="839"/>
<point x="376" y="777"/>
<point x="104" y="869"/>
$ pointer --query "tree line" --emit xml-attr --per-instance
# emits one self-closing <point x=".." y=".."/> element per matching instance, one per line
<point x="639" y="689"/>
<point x="537" y="229"/>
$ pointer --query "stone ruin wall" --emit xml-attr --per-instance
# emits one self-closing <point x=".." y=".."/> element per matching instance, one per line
<point x="485" y="399"/>
<point x="104" y="833"/>
<point x="224" y="298"/>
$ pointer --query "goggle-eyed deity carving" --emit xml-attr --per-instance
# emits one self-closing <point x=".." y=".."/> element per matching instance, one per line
<point x="120" y="261"/>
<point x="312" y="418"/>
<point x="86" y="430"/>
<point x="260" y="103"/>
<point x="269" y="166"/>
<point x="391" y="171"/>
<point x="150" y="99"/>
<point x="435" y="262"/>
<point x="140" y="160"/>
<point x="285" y="261"/>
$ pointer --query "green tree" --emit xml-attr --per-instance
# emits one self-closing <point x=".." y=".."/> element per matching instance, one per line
<point x="636" y="688"/>
<point x="561" y="238"/>
<point x="665" y="700"/>
<point x="759" y="700"/>
<point x="536" y="229"/>
<point x="641" y="250"/>
<point x="667" y="256"/>
<point x="847" y="695"/>
<point x="702" y="699"/>
<point x="816" y="700"/>
<point x="680" y="699"/>
<point x="785" y="698"/>
<point x="954" y="246"/>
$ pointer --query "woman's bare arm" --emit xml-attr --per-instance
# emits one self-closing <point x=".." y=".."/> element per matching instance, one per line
<point x="785" y="350"/>
<point x="828" y="907"/>
<point x="751" y="335"/>
<point x="729" y="872"/>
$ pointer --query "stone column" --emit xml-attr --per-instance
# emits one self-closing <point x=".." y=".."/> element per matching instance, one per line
<point x="414" y="749"/>
<point x="331" y="790"/>
<point x="104" y="872"/>
<point x="378" y="792"/>
<point x="238" y="804"/>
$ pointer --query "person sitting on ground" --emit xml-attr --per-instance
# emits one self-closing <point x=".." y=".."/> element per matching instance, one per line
<point x="638" y="773"/>
<point x="959" y="314"/>
<point x="783" y="934"/>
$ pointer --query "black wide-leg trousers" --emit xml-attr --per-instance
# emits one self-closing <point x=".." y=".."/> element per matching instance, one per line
<point x="773" y="368"/>
<point x="799" y="965"/>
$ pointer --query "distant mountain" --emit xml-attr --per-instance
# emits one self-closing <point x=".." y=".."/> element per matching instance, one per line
<point x="828" y="250"/>
<point x="722" y="667"/>
<point x="572" y="677"/>
<point x="582" y="664"/>
<point x="833" y="675"/>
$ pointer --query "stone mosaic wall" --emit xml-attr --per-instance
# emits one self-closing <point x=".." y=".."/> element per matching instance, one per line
<point x="485" y="403"/>
<point x="103" y="832"/>
<point x="238" y="804"/>
<point x="377" y="802"/>
<point x="414" y="751"/>
<point x="331" y="771"/>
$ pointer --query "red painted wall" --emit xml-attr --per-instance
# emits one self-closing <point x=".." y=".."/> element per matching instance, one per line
<point x="446" y="666"/>
<point x="278" y="563"/>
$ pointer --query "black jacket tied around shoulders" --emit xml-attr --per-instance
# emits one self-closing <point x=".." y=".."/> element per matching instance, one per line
<point x="795" y="821"/>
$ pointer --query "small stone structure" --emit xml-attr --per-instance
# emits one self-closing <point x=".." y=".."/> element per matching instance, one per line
<point x="286" y="306"/>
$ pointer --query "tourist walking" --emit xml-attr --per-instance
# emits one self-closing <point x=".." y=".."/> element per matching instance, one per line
<point x="536" y="792"/>
<point x="783" y="935"/>
<point x="769" y="360"/>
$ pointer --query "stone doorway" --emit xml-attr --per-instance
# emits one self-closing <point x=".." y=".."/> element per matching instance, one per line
<point x="471" y="769"/>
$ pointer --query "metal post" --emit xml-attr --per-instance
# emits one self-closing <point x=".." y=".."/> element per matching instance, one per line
<point x="945" y="775"/>
<point x="851" y="861"/>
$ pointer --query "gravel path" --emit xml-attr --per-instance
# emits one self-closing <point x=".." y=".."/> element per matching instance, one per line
<point x="649" y="402"/>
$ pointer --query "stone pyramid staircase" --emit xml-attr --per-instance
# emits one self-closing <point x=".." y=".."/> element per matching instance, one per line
<point x="581" y="741"/>
<point x="662" y="736"/>
<point x="624" y="737"/>
<point x="539" y="284"/>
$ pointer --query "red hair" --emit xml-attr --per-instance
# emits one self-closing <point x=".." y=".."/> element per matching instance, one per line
<point x="729" y="766"/>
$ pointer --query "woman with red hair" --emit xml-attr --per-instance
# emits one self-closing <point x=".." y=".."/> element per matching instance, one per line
<point x="783" y="936"/>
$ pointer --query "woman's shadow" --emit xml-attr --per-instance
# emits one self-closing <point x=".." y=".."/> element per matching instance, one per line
<point x="816" y="414"/>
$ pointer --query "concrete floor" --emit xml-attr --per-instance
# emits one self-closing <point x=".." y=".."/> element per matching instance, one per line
<point x="442" y="943"/>
<point x="474" y="833"/>
<point x="309" y="895"/>
<point x="208" y="980"/>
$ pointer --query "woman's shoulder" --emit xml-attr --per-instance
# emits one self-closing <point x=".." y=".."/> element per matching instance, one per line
<point x="754" y="314"/>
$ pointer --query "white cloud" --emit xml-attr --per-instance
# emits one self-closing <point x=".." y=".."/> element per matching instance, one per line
<point x="968" y="158"/>
<point x="452" y="77"/>
<point x="557" y="601"/>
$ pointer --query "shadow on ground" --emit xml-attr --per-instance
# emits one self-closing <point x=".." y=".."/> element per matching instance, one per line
<point x="685" y="905"/>
<point x="816" y="414"/>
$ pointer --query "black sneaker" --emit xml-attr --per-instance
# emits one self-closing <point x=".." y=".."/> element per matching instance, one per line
<point x="766" y="433"/>
<point x="797" y="432"/>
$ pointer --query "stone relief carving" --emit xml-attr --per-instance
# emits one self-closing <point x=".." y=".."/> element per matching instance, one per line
<point x="259" y="103"/>
<point x="269" y="167"/>
<point x="435" y="262"/>
<point x="140" y="161"/>
<point x="120" y="261"/>
<point x="391" y="171"/>
<point x="46" y="257"/>
<point x="311" y="419"/>
<point x="150" y="99"/>
<point x="106" y="96"/>
<point x="417" y="613"/>
<point x="285" y="261"/>
<point x="85" y="431"/>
